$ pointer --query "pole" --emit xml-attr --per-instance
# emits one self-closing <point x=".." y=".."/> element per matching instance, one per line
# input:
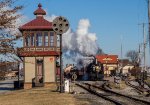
<point x="144" y="54"/>
<point x="144" y="46"/>
<point x="139" y="59"/>
<point x="18" y="76"/>
<point x="61" y="70"/>
<point x="106" y="67"/>
<point x="149" y="24"/>
<point x="121" y="56"/>
<point x="117" y="67"/>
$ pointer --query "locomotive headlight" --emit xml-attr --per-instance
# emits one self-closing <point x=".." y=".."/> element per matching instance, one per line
<point x="97" y="68"/>
<point x="93" y="68"/>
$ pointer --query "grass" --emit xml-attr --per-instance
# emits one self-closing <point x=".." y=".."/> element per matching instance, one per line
<point x="39" y="96"/>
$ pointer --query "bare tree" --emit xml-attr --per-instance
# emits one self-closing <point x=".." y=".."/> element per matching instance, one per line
<point x="99" y="51"/>
<point x="133" y="56"/>
<point x="8" y="17"/>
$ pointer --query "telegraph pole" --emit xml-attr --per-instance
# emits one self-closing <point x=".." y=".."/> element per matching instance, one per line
<point x="144" y="53"/>
<point x="148" y="1"/>
<point x="121" y="54"/>
<point x="144" y="46"/>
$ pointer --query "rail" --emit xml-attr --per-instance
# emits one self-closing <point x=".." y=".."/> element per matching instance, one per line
<point x="104" y="88"/>
<point x="139" y="88"/>
<point x="99" y="94"/>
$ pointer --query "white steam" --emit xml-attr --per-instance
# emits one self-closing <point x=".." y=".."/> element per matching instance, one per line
<point x="80" y="43"/>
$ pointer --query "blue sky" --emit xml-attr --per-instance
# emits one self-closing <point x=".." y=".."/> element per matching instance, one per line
<point x="109" y="19"/>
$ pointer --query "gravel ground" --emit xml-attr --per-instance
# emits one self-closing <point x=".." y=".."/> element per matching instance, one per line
<point x="132" y="92"/>
<point x="137" y="84"/>
<point x="134" y="83"/>
<point x="128" y="91"/>
<point x="83" y="95"/>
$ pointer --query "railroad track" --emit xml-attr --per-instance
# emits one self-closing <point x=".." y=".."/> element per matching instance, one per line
<point x="138" y="88"/>
<point x="147" y="84"/>
<point x="114" y="97"/>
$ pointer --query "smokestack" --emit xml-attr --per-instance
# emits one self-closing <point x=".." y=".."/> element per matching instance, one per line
<point x="96" y="61"/>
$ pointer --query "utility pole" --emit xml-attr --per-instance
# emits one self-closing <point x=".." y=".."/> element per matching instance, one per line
<point x="148" y="2"/>
<point x="144" y="54"/>
<point x="121" y="54"/>
<point x="139" y="57"/>
<point x="149" y="23"/>
<point x="144" y="47"/>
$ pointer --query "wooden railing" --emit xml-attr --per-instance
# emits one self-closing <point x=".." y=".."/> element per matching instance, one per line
<point x="30" y="49"/>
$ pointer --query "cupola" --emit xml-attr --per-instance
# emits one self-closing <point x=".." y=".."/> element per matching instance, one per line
<point x="39" y="12"/>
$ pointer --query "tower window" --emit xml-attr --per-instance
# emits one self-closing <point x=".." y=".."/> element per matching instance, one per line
<point x="45" y="38"/>
<point x="27" y="40"/>
<point x="32" y="39"/>
<point x="51" y="39"/>
<point x="39" y="39"/>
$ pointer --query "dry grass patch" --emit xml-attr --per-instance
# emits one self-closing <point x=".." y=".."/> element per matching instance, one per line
<point x="148" y="81"/>
<point x="120" y="86"/>
<point x="39" y="96"/>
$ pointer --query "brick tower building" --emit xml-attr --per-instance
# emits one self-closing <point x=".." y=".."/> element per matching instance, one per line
<point x="41" y="48"/>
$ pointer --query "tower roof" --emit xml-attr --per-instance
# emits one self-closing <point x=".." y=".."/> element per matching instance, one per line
<point x="39" y="23"/>
<point x="39" y="11"/>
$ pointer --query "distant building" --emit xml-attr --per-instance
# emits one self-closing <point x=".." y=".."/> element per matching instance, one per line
<point x="7" y="67"/>
<point x="125" y="66"/>
<point x="109" y="62"/>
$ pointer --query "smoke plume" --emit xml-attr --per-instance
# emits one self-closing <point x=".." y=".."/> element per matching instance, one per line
<point x="80" y="44"/>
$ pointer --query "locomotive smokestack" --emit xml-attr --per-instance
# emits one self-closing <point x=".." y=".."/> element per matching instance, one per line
<point x="95" y="61"/>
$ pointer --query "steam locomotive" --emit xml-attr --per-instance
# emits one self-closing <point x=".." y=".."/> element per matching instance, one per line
<point x="95" y="70"/>
<point x="92" y="72"/>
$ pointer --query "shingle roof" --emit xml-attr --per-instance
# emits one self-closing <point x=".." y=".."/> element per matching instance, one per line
<point x="109" y="59"/>
<point x="38" y="23"/>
